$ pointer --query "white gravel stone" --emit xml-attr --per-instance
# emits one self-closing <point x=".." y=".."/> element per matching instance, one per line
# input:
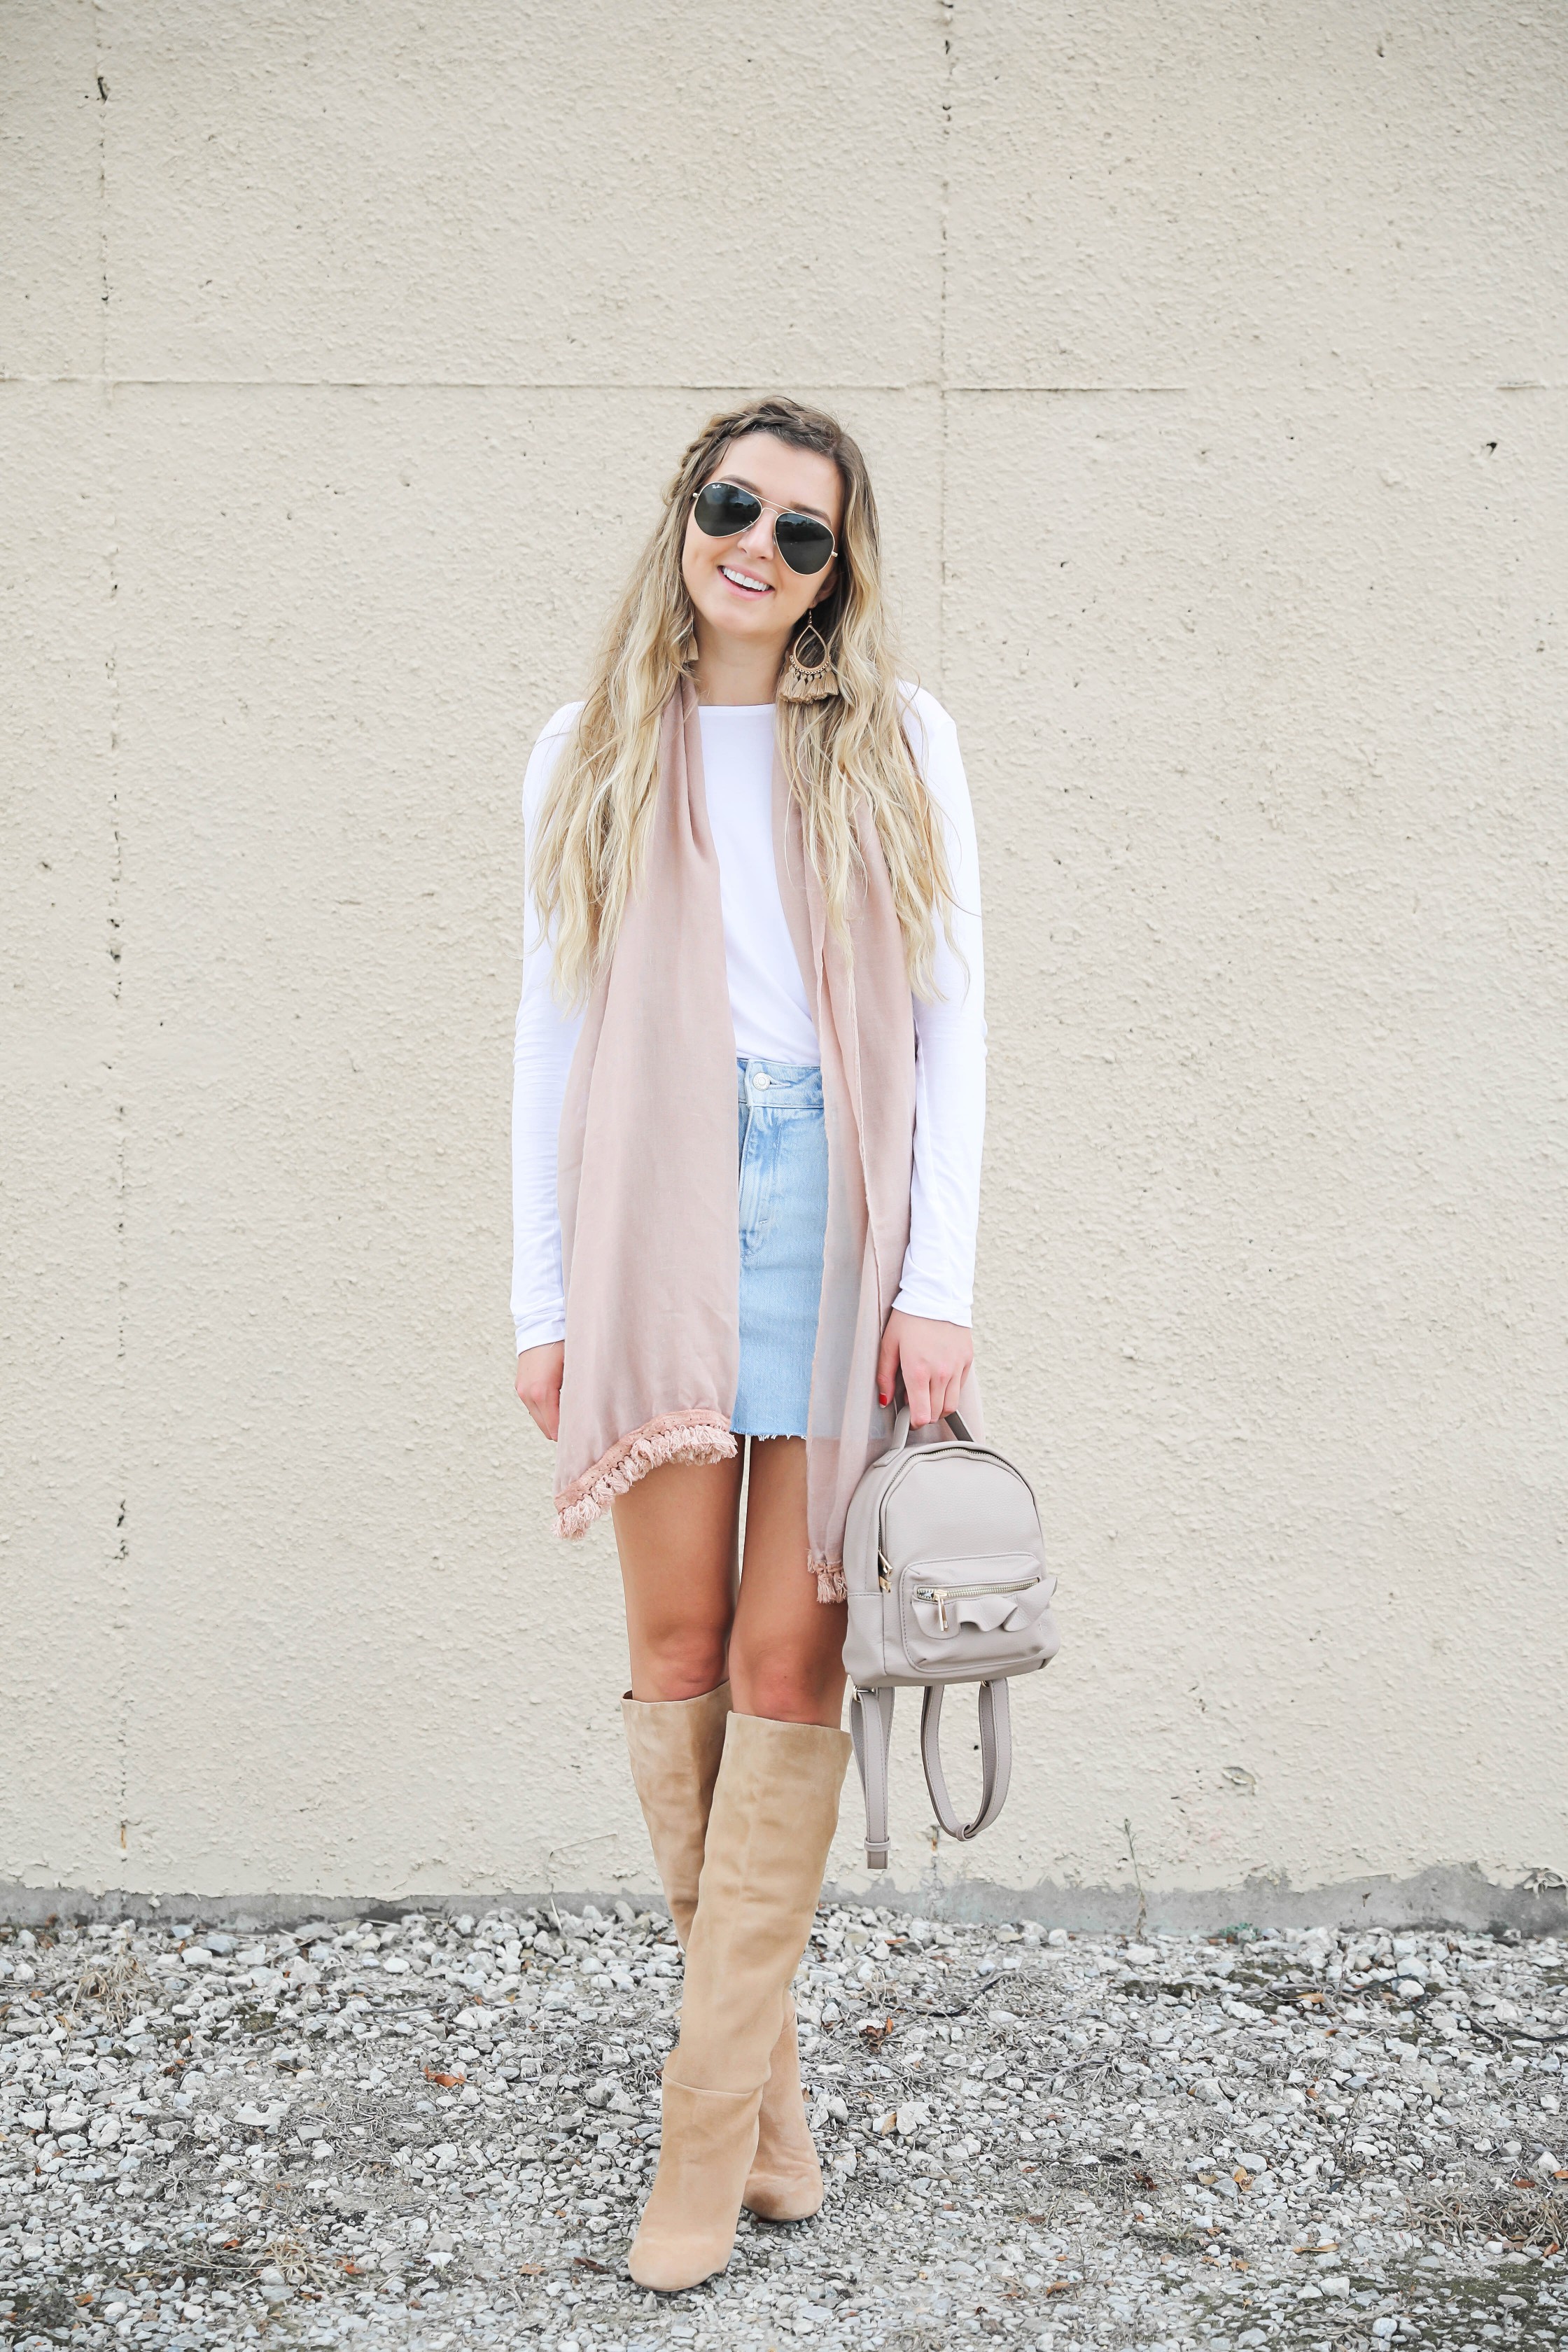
<point x="433" y="2131"/>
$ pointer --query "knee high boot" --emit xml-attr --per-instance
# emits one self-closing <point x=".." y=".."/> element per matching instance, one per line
<point x="675" y="1746"/>
<point x="774" y="1810"/>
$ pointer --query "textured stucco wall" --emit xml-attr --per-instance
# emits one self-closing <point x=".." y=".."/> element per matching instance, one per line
<point x="1212" y="362"/>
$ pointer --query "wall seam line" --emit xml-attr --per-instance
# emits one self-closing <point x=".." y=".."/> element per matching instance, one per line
<point x="107" y="387"/>
<point x="948" y="11"/>
<point x="1454" y="387"/>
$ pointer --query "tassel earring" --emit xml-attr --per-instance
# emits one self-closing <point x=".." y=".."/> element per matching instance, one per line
<point x="808" y="674"/>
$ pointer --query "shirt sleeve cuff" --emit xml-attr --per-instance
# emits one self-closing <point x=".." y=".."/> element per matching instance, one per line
<point x="935" y="1307"/>
<point x="539" y="1330"/>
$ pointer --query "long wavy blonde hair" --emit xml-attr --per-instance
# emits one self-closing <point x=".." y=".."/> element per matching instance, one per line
<point x="843" y="756"/>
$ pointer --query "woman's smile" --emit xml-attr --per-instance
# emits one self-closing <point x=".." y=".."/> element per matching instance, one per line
<point x="748" y="583"/>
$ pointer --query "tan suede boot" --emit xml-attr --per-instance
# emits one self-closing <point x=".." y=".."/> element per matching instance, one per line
<point x="775" y="1806"/>
<point x="675" y="1746"/>
<point x="785" y="2183"/>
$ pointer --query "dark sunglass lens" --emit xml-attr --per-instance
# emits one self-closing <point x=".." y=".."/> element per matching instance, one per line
<point x="805" y="543"/>
<point x="722" y="510"/>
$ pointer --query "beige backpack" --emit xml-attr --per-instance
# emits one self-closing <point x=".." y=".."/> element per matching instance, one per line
<point x="944" y="1565"/>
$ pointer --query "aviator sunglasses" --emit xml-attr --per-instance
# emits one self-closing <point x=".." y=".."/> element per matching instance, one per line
<point x="723" y="510"/>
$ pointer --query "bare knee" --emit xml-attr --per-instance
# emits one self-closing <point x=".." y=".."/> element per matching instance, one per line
<point x="788" y="1690"/>
<point x="683" y="1662"/>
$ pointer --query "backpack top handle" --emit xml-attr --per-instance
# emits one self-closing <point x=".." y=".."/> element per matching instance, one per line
<point x="902" y="1428"/>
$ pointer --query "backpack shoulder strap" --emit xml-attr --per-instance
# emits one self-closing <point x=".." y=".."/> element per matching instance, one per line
<point x="996" y="1758"/>
<point x="871" y="1729"/>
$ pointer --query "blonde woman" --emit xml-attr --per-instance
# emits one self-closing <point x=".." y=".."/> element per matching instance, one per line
<point x="750" y="1091"/>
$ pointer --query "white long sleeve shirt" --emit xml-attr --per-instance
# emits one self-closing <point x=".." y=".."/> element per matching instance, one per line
<point x="770" y="1012"/>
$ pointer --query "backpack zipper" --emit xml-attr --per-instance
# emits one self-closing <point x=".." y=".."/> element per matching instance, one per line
<point x="943" y="1593"/>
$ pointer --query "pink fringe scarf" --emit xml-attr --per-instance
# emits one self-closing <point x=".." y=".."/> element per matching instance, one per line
<point x="649" y="1209"/>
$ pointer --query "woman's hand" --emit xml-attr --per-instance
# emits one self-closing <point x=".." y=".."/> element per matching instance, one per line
<point x="933" y="1358"/>
<point x="539" y="1383"/>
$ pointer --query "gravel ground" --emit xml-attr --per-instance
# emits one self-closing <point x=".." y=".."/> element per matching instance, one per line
<point x="436" y="2131"/>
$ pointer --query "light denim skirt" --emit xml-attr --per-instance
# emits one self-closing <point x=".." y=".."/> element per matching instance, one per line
<point x="784" y="1222"/>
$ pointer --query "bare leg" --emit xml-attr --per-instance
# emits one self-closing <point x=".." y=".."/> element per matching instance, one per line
<point x="676" y="1533"/>
<point x="786" y="1646"/>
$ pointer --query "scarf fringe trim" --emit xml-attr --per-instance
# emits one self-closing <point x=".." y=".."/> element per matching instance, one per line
<point x="698" y="1436"/>
<point x="829" y="1575"/>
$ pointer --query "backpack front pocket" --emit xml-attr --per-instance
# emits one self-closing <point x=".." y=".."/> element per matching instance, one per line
<point x="958" y="1614"/>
